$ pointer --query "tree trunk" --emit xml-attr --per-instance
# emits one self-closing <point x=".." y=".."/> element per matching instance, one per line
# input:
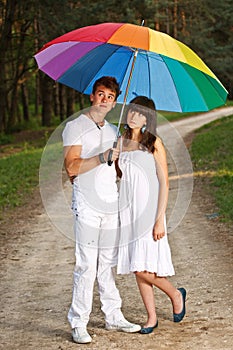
<point x="37" y="94"/>
<point x="56" y="105"/>
<point x="167" y="20"/>
<point x="62" y="102"/>
<point x="18" y="114"/>
<point x="70" y="93"/>
<point x="24" y="93"/>
<point x="81" y="100"/>
<point x="183" y="22"/>
<point x="3" y="96"/>
<point x="47" y="101"/>
<point x="157" y="26"/>
<point x="6" y="25"/>
<point x="13" y="109"/>
<point x="175" y="18"/>
<point x="37" y="78"/>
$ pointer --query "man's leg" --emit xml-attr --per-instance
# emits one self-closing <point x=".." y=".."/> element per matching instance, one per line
<point x="85" y="271"/>
<point x="109" y="294"/>
<point x="84" y="278"/>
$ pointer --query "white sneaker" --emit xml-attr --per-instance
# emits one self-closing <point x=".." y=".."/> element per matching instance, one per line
<point x="124" y="326"/>
<point x="80" y="335"/>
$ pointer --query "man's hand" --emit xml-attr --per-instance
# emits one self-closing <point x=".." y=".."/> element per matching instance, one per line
<point x="115" y="154"/>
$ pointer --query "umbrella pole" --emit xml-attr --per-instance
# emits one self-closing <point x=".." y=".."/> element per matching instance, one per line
<point x="123" y="107"/>
<point x="127" y="90"/>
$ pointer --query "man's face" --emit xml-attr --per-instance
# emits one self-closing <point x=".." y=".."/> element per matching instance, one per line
<point x="103" y="100"/>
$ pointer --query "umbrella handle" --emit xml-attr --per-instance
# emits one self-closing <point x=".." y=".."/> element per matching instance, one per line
<point x="110" y="154"/>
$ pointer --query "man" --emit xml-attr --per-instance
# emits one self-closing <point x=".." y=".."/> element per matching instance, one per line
<point x="87" y="143"/>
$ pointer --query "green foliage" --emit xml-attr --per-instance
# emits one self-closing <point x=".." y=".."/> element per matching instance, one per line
<point x="18" y="177"/>
<point x="5" y="139"/>
<point x="209" y="33"/>
<point x="213" y="159"/>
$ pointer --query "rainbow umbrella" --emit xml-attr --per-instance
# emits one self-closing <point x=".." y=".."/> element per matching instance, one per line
<point x="144" y="61"/>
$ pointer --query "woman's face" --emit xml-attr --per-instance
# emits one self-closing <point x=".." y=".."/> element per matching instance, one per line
<point x="135" y="120"/>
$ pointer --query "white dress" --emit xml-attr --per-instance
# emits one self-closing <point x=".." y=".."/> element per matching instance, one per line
<point x="138" y="200"/>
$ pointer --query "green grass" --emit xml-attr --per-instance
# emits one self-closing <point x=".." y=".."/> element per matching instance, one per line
<point x="173" y="116"/>
<point x="212" y="156"/>
<point x="18" y="177"/>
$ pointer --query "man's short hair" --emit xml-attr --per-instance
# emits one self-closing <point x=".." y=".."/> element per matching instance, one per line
<point x="109" y="82"/>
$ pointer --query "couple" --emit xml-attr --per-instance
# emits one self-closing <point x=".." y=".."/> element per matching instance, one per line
<point x="142" y="248"/>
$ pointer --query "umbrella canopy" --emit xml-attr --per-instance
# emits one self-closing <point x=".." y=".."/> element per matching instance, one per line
<point x="164" y="69"/>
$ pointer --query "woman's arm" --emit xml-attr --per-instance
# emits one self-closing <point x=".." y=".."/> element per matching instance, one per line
<point x="162" y="173"/>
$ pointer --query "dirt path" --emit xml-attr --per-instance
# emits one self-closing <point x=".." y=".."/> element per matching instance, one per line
<point x="36" y="280"/>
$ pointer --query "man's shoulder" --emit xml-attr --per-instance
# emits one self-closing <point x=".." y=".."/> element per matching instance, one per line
<point x="79" y="120"/>
<point x="73" y="130"/>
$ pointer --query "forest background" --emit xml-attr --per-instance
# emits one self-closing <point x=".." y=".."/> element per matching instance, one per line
<point x="28" y="96"/>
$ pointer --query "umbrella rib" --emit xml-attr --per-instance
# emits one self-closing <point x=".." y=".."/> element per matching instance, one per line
<point x="117" y="47"/>
<point x="172" y="80"/>
<point x="211" y="82"/>
<point x="195" y="83"/>
<point x="197" y="87"/>
<point x="126" y="68"/>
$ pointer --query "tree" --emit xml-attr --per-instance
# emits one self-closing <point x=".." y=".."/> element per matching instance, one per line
<point x="205" y="26"/>
<point x="7" y="11"/>
<point x="209" y="33"/>
<point x="15" y="59"/>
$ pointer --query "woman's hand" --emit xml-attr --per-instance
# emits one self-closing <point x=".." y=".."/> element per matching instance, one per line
<point x="158" y="230"/>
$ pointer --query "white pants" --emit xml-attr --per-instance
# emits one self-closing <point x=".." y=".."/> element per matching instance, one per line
<point x="96" y="255"/>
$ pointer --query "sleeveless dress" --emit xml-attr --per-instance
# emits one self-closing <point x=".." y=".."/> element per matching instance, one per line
<point x="138" y="200"/>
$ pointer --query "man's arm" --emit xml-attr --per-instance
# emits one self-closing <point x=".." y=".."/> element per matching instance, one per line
<point x="76" y="165"/>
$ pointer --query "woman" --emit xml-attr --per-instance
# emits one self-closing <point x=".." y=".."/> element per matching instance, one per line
<point x="144" y="247"/>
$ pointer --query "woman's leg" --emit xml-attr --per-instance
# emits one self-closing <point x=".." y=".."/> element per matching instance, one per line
<point x="165" y="285"/>
<point x="147" y="294"/>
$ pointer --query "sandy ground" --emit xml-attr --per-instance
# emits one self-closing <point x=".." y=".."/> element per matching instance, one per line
<point x="36" y="279"/>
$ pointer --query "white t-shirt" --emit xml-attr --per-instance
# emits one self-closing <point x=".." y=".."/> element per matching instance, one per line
<point x="96" y="188"/>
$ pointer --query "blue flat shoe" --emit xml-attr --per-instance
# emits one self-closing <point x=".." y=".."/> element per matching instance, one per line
<point x="179" y="317"/>
<point x="148" y="330"/>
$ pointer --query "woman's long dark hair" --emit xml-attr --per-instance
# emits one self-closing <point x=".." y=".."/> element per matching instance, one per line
<point x="145" y="106"/>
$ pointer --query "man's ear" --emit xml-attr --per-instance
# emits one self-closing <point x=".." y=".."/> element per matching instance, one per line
<point x="91" y="97"/>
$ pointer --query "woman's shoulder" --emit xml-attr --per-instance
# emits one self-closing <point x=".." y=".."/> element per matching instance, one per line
<point x="159" y="147"/>
<point x="158" y="142"/>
